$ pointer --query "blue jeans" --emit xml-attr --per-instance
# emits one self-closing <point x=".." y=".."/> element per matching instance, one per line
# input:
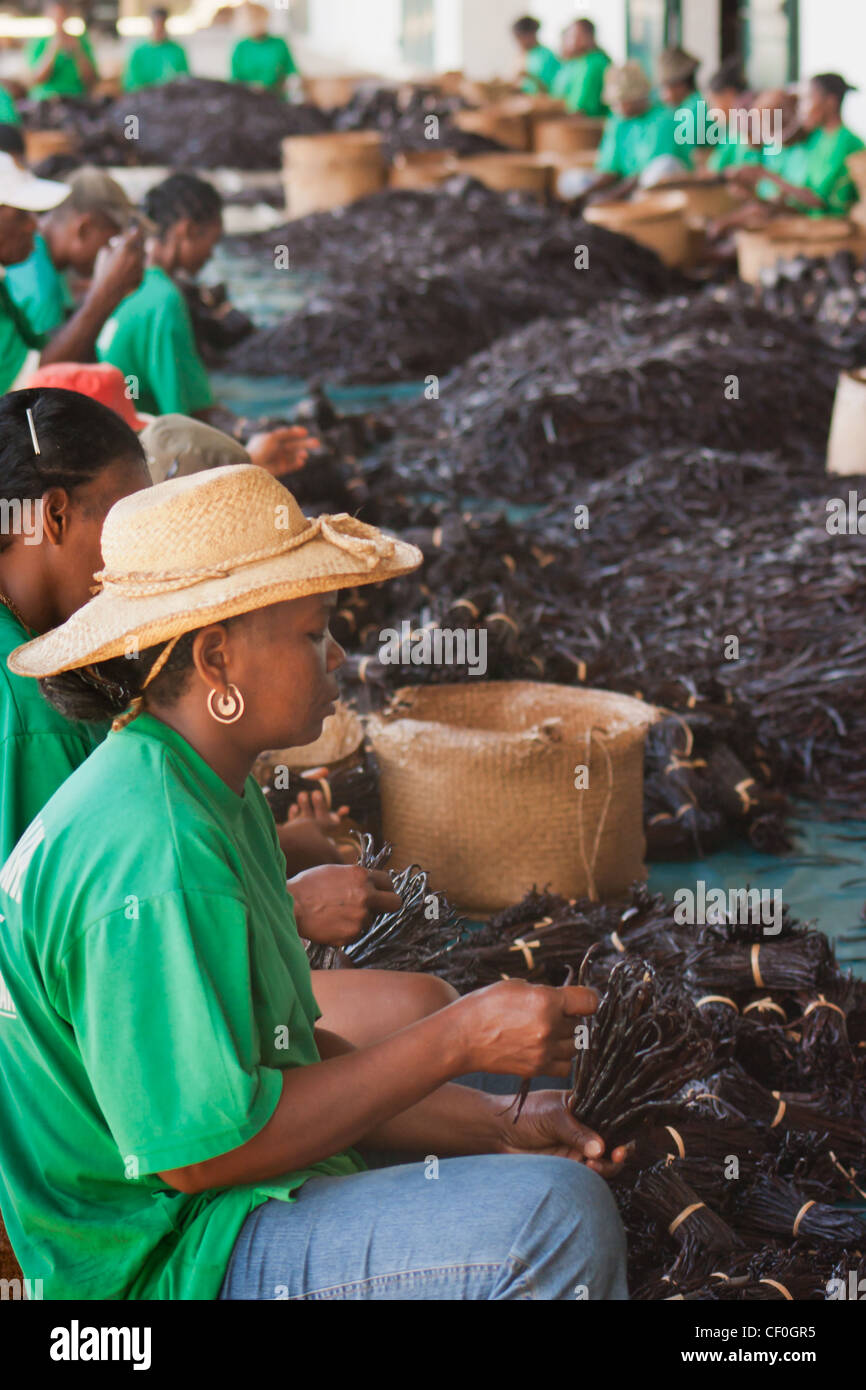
<point x="522" y="1226"/>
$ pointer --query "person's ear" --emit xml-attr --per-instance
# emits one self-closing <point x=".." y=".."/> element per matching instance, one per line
<point x="210" y="656"/>
<point x="56" y="515"/>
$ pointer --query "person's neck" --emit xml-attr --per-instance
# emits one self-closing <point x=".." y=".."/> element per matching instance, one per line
<point x="54" y="241"/>
<point x="833" y="123"/>
<point x="207" y="738"/>
<point x="162" y="256"/>
<point x="30" y="593"/>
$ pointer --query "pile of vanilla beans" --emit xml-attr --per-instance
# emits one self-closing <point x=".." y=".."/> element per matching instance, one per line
<point x="200" y="123"/>
<point x="732" y="1063"/>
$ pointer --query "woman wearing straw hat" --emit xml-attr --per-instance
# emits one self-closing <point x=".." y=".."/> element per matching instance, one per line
<point x="189" y="1131"/>
<point x="64" y="461"/>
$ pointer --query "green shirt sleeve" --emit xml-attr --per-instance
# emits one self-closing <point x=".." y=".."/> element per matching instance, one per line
<point x="607" y="160"/>
<point x="8" y="110"/>
<point x="160" y="998"/>
<point x="176" y="375"/>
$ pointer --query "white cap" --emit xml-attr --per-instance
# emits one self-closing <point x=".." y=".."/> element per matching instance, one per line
<point x="21" y="189"/>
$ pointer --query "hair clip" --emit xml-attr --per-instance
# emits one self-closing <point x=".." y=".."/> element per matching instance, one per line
<point x="33" y="436"/>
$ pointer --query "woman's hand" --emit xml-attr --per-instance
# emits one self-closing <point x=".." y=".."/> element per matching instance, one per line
<point x="547" y="1126"/>
<point x="522" y="1029"/>
<point x="335" y="903"/>
<point x="281" y="451"/>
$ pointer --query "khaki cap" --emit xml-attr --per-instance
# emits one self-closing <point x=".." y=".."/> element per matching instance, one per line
<point x="176" y="445"/>
<point x="92" y="190"/>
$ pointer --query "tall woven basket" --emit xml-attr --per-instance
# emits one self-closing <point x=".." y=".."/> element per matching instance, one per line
<point x="482" y="784"/>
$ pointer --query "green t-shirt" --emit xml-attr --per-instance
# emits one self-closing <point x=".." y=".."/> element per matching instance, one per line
<point x="8" y="110"/>
<point x="732" y="154"/>
<point x="65" y="79"/>
<point x="40" y="290"/>
<point x="693" y="120"/>
<point x="150" y="337"/>
<point x="580" y="83"/>
<point x="17" y="338"/>
<point x="630" y="143"/>
<point x="265" y="62"/>
<point x="38" y="747"/>
<point x="818" y="163"/>
<point x="542" y="65"/>
<point x="154" y="990"/>
<point x="152" y="64"/>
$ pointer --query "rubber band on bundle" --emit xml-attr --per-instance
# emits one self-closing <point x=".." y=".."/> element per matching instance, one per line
<point x="467" y="603"/>
<point x="765" y="1005"/>
<point x="502" y="618"/>
<point x="774" y="1284"/>
<point x="717" y="999"/>
<point x="678" y="1140"/>
<point x="740" y="789"/>
<point x="437" y="537"/>
<point x="822" y="1003"/>
<point x="524" y="946"/>
<point x="348" y="616"/>
<point x="362" y="668"/>
<point x="800" y="1214"/>
<point x="684" y="1215"/>
<point x="510" y="563"/>
<point x="781" y="1110"/>
<point x="542" y="922"/>
<point x="756" y="972"/>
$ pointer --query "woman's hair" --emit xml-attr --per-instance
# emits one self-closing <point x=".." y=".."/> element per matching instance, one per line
<point x="180" y="196"/>
<point x="729" y="77"/>
<point x="76" y="437"/>
<point x="107" y="688"/>
<point x="11" y="140"/>
<point x="832" y="85"/>
<point x="526" y="27"/>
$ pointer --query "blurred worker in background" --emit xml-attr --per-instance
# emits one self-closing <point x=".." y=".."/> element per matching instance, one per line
<point x="540" y="64"/>
<point x="580" y="80"/>
<point x="156" y="60"/>
<point x="150" y="335"/>
<point x="63" y="65"/>
<point x="678" y="88"/>
<point x="729" y="94"/>
<point x="811" y="175"/>
<point x="69" y="239"/>
<point x="639" y="145"/>
<point x="261" y="59"/>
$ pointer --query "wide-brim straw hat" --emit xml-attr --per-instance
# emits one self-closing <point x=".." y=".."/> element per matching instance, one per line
<point x="626" y="83"/>
<point x="195" y="550"/>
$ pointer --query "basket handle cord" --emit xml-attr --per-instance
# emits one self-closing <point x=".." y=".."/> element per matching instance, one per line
<point x="589" y="865"/>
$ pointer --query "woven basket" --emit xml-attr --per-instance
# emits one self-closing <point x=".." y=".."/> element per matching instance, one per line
<point x="565" y="134"/>
<point x="342" y="735"/>
<point x="421" y="169"/>
<point x="478" y="786"/>
<point x="846" y="448"/>
<point x="657" y="220"/>
<point x="498" y="122"/>
<point x="857" y="169"/>
<point x="321" y="172"/>
<point x="788" y="237"/>
<point x="523" y="173"/>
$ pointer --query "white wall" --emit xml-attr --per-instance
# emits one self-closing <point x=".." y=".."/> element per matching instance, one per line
<point x="833" y="39"/>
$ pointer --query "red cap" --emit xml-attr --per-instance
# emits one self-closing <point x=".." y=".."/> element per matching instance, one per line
<point x="98" y="380"/>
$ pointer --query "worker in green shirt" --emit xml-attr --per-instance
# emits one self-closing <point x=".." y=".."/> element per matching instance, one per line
<point x="212" y="1149"/>
<point x="150" y="337"/>
<point x="70" y="238"/>
<point x="9" y="113"/>
<point x="812" y="176"/>
<point x="55" y="502"/>
<point x="731" y="110"/>
<point x="157" y="60"/>
<point x="539" y="64"/>
<point x="261" y="59"/>
<point x="639" y="145"/>
<point x="580" y="80"/>
<point x="63" y="65"/>
<point x="678" y="88"/>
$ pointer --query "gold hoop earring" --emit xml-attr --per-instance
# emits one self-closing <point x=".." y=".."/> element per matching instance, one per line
<point x="228" y="708"/>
